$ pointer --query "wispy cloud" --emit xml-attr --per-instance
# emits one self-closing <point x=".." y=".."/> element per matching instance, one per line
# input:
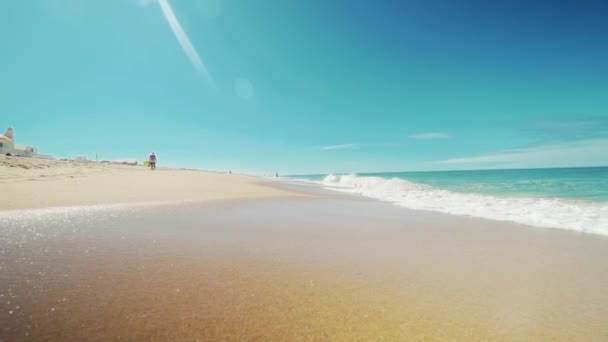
<point x="181" y="36"/>
<point x="431" y="135"/>
<point x="341" y="147"/>
<point x="591" y="152"/>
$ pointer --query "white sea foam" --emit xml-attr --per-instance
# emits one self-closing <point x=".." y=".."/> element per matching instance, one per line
<point x="582" y="216"/>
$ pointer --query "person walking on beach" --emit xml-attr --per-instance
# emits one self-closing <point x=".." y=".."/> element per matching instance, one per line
<point x="152" y="161"/>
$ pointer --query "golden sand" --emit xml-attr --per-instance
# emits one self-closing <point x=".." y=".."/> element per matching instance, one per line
<point x="298" y="269"/>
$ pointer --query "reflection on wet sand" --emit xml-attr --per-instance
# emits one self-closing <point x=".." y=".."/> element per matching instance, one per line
<point x="296" y="269"/>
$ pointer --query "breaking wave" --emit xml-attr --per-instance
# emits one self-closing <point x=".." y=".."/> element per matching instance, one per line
<point x="577" y="215"/>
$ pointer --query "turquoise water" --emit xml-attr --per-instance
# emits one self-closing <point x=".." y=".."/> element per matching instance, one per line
<point x="567" y="198"/>
<point x="588" y="183"/>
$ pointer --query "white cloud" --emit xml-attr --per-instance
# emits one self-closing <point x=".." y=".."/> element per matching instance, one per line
<point x="431" y="135"/>
<point x="591" y="152"/>
<point x="340" y="147"/>
<point x="181" y="36"/>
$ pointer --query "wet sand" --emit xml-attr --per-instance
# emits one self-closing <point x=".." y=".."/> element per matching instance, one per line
<point x="296" y="269"/>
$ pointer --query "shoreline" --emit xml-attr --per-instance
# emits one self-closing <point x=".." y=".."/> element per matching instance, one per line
<point x="253" y="258"/>
<point x="322" y="268"/>
<point x="67" y="185"/>
<point x="34" y="184"/>
<point x="580" y="215"/>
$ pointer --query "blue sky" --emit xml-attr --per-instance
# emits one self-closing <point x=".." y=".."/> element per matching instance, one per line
<point x="310" y="86"/>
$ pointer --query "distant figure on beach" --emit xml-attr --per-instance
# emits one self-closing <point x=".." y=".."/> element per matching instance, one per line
<point x="277" y="175"/>
<point x="152" y="161"/>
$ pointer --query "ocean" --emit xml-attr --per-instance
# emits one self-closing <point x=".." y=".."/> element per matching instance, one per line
<point x="567" y="198"/>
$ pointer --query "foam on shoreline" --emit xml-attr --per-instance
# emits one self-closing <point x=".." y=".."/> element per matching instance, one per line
<point x="576" y="215"/>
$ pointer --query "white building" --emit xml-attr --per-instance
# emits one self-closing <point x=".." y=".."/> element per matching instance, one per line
<point x="8" y="146"/>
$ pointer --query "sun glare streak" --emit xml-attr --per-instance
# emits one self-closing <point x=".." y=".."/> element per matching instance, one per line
<point x="184" y="41"/>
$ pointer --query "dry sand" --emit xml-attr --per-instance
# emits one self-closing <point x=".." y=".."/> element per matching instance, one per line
<point x="39" y="183"/>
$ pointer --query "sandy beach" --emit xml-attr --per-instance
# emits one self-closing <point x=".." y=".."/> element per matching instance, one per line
<point x="27" y="183"/>
<point x="247" y="260"/>
<point x="210" y="170"/>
